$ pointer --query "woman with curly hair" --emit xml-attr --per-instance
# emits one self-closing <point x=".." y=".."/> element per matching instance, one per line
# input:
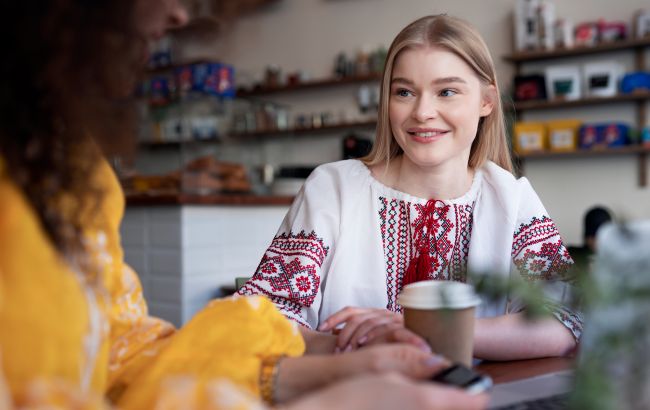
<point x="74" y="328"/>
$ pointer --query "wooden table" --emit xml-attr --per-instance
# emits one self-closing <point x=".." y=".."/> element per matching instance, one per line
<point x="503" y="372"/>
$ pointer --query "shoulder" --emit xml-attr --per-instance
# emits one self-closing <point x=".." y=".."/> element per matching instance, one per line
<point x="504" y="183"/>
<point x="344" y="168"/>
<point x="512" y="197"/>
<point x="346" y="174"/>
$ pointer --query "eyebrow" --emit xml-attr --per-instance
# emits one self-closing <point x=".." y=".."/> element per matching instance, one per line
<point x="444" y="80"/>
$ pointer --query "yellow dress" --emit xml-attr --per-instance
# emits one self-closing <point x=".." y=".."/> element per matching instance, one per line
<point x="69" y="344"/>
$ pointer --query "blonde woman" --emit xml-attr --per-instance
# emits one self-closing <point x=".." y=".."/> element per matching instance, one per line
<point x="435" y="198"/>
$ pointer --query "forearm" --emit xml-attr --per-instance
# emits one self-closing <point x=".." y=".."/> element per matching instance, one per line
<point x="512" y="337"/>
<point x="318" y="342"/>
<point x="299" y="375"/>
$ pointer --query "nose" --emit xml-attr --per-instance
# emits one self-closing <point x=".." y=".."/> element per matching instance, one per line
<point x="177" y="15"/>
<point x="425" y="108"/>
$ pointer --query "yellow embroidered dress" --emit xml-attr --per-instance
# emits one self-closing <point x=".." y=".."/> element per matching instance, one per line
<point x="68" y="344"/>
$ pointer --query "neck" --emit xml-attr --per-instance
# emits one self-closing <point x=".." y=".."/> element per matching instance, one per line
<point x="445" y="181"/>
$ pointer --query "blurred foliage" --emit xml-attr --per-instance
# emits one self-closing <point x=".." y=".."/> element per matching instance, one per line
<point x="613" y="293"/>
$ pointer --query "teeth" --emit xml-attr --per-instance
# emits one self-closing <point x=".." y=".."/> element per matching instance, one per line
<point x="426" y="134"/>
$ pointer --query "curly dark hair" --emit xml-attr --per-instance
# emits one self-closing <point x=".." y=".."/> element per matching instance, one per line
<point x="66" y="67"/>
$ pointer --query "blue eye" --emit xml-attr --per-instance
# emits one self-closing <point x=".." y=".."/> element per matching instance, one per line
<point x="402" y="92"/>
<point x="448" y="92"/>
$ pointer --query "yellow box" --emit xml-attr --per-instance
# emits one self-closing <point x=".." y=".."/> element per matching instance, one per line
<point x="563" y="134"/>
<point x="530" y="136"/>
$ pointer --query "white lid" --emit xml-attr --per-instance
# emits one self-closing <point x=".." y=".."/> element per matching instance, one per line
<point x="436" y="294"/>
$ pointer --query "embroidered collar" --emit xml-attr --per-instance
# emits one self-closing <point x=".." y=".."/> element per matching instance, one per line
<point x="468" y="198"/>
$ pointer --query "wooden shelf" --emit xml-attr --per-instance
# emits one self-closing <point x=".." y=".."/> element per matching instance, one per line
<point x="262" y="134"/>
<point x="171" y="67"/>
<point x="175" y="144"/>
<point x="630" y="149"/>
<point x="545" y="104"/>
<point x="154" y="199"/>
<point x="314" y="130"/>
<point x="639" y="150"/>
<point x="638" y="46"/>
<point x="520" y="57"/>
<point x="307" y="85"/>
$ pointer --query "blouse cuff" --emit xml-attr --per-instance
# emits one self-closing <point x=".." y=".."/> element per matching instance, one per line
<point x="571" y="320"/>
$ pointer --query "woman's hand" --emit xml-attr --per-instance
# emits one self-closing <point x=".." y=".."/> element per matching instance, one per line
<point x="298" y="375"/>
<point x="397" y="358"/>
<point x="366" y="326"/>
<point x="389" y="391"/>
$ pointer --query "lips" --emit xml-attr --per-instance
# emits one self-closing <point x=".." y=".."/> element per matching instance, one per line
<point x="426" y="134"/>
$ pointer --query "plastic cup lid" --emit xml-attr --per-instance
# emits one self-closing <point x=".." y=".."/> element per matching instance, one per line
<point x="438" y="294"/>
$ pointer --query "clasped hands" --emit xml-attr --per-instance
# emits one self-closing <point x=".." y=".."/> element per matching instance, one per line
<point x="369" y="326"/>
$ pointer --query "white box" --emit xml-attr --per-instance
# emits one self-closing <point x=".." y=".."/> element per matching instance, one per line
<point x="563" y="82"/>
<point x="601" y="78"/>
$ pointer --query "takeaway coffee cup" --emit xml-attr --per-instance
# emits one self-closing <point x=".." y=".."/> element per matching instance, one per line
<point x="442" y="312"/>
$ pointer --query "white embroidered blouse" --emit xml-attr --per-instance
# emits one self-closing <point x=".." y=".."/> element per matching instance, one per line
<point x="348" y="240"/>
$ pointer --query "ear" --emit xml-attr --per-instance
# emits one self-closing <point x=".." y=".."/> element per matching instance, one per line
<point x="488" y="100"/>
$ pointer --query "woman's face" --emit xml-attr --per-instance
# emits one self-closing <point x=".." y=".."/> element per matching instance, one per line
<point x="154" y="17"/>
<point x="436" y="101"/>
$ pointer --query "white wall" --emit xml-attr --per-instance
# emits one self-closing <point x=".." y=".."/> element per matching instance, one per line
<point x="307" y="35"/>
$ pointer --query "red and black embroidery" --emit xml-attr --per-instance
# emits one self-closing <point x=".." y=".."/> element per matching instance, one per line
<point x="446" y="237"/>
<point x="571" y="320"/>
<point x="395" y="233"/>
<point x="538" y="251"/>
<point x="289" y="272"/>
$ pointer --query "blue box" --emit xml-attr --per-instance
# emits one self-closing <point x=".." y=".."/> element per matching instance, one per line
<point x="213" y="79"/>
<point x="603" y="135"/>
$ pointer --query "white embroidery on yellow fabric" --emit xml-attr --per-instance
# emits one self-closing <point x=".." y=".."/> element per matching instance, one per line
<point x="254" y="301"/>
<point x="178" y="392"/>
<point x="225" y="395"/>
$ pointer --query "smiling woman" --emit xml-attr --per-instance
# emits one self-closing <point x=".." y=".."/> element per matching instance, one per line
<point x="434" y="199"/>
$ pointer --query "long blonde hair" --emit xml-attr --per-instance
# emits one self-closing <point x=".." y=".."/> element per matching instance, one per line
<point x="462" y="39"/>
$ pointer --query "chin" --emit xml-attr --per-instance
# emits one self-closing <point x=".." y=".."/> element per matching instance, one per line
<point x="426" y="162"/>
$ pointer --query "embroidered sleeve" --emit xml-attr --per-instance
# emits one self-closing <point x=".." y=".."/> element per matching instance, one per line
<point x="538" y="254"/>
<point x="295" y="264"/>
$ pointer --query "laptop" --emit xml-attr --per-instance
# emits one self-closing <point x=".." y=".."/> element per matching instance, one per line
<point x="613" y="366"/>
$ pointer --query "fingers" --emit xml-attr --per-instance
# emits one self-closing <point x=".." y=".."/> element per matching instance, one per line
<point x="401" y="358"/>
<point x="423" y="366"/>
<point x="340" y="317"/>
<point x="451" y="398"/>
<point x="396" y="333"/>
<point x="403" y="335"/>
<point x="354" y="334"/>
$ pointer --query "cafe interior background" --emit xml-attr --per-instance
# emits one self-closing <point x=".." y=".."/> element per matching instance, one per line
<point x="237" y="108"/>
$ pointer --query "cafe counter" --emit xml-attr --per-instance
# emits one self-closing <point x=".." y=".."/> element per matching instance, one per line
<point x="186" y="248"/>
